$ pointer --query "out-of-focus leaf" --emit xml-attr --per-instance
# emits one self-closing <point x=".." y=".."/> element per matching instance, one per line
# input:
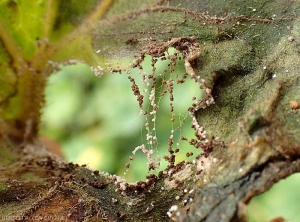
<point x="7" y="77"/>
<point x="26" y="22"/>
<point x="28" y="30"/>
<point x="73" y="13"/>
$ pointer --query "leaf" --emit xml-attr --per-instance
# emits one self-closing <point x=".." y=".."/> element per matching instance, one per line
<point x="243" y="54"/>
<point x="241" y="62"/>
<point x="25" y="27"/>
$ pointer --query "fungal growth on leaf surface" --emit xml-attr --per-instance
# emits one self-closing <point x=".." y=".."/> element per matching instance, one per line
<point x="201" y="71"/>
<point x="156" y="87"/>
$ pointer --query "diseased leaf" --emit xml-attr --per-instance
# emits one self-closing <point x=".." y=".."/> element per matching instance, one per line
<point x="122" y="6"/>
<point x="243" y="54"/>
<point x="241" y="62"/>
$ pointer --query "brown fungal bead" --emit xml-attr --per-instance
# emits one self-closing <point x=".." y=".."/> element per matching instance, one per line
<point x="171" y="107"/>
<point x="131" y="40"/>
<point x="171" y="97"/>
<point x="183" y="138"/>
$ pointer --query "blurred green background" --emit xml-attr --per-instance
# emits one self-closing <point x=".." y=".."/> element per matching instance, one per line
<point x="96" y="121"/>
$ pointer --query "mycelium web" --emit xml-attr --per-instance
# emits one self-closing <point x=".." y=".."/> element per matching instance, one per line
<point x="155" y="88"/>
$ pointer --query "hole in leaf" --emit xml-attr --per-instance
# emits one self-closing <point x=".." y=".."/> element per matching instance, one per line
<point x="99" y="121"/>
